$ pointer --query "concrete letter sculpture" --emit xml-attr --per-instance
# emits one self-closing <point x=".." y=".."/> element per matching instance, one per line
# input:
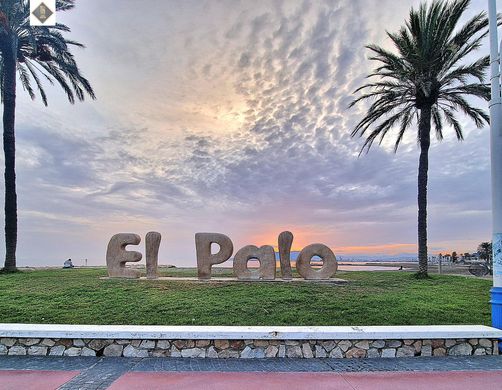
<point x="205" y="259"/>
<point x="264" y="254"/>
<point x="152" y="244"/>
<point x="285" y="242"/>
<point x="117" y="256"/>
<point x="328" y="268"/>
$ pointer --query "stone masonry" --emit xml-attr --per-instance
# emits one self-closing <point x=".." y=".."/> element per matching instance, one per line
<point x="248" y="349"/>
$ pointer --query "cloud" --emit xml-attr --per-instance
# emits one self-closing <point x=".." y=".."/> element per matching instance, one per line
<point x="232" y="117"/>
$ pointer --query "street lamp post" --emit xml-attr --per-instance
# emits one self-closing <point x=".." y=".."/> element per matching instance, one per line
<point x="496" y="166"/>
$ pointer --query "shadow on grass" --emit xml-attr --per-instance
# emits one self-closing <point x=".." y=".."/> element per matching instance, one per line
<point x="421" y="276"/>
<point x="5" y="271"/>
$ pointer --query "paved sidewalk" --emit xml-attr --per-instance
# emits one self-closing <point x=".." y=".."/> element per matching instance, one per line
<point x="46" y="373"/>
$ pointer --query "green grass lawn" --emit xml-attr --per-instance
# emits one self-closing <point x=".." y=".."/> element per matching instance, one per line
<point x="79" y="296"/>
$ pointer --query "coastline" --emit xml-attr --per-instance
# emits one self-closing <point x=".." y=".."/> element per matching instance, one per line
<point x="343" y="266"/>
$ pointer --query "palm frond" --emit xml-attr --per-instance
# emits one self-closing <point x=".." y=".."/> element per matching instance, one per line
<point x="44" y="52"/>
<point x="425" y="70"/>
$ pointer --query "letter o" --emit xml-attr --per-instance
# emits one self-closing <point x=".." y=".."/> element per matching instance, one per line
<point x="329" y="266"/>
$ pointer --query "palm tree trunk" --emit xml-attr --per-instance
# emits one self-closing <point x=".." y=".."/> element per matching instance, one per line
<point x="424" y="128"/>
<point x="8" y="49"/>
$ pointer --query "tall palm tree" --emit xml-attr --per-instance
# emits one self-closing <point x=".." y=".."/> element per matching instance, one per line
<point x="32" y="53"/>
<point x="426" y="83"/>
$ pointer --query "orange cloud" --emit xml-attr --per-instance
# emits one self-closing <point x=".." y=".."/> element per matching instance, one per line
<point x="302" y="237"/>
<point x="388" y="249"/>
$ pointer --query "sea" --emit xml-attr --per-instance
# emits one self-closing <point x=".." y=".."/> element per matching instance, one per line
<point x="398" y="258"/>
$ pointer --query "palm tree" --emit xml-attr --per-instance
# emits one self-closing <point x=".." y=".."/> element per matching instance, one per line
<point x="426" y="84"/>
<point x="32" y="54"/>
<point x="485" y="250"/>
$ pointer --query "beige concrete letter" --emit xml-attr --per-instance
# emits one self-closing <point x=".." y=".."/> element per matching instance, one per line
<point x="285" y="242"/>
<point x="264" y="254"/>
<point x="205" y="260"/>
<point x="117" y="256"/>
<point x="152" y="244"/>
<point x="329" y="265"/>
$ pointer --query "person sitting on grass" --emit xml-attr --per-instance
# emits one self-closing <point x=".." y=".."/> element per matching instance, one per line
<point x="68" y="264"/>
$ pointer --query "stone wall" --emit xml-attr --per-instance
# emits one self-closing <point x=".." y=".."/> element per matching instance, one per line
<point x="247" y="348"/>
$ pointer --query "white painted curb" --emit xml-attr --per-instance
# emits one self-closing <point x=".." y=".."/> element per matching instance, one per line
<point x="152" y="332"/>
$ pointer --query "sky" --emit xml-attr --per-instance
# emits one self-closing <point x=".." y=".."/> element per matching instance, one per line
<point x="231" y="116"/>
